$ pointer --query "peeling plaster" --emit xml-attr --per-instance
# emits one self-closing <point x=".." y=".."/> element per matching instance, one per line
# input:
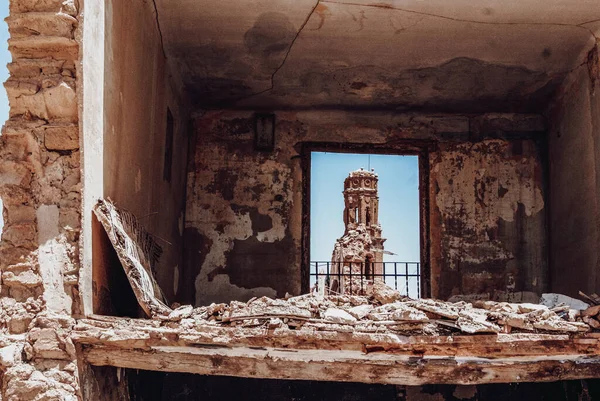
<point x="490" y="201"/>
<point x="53" y="259"/>
<point x="233" y="203"/>
<point x="244" y="212"/>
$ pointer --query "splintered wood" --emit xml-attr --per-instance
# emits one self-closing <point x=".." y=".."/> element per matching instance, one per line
<point x="382" y="338"/>
<point x="347" y="338"/>
<point x="137" y="252"/>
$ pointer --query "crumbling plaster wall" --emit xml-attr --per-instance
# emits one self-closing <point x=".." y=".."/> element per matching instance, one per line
<point x="488" y="231"/>
<point x="40" y="190"/>
<point x="243" y="234"/>
<point x="139" y="87"/>
<point x="574" y="152"/>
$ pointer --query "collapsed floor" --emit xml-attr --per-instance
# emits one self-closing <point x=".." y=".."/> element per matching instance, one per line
<point x="381" y="338"/>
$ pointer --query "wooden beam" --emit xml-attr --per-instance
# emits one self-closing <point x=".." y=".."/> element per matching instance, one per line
<point x="345" y="365"/>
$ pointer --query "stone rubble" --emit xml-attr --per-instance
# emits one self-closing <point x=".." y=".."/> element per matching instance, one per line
<point x="363" y="314"/>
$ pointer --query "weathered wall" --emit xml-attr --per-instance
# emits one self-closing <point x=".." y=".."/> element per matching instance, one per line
<point x="139" y="87"/>
<point x="574" y="141"/>
<point x="40" y="189"/>
<point x="488" y="231"/>
<point x="244" y="208"/>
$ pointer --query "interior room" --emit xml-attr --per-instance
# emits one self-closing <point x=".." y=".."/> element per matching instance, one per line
<point x="211" y="110"/>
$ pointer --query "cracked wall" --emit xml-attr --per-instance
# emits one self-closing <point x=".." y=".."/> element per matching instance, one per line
<point x="244" y="207"/>
<point x="574" y="139"/>
<point x="384" y="58"/>
<point x="140" y="86"/>
<point x="40" y="190"/>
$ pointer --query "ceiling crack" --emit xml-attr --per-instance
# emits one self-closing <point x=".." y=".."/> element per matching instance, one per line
<point x="162" y="43"/>
<point x="287" y="53"/>
<point x="390" y="7"/>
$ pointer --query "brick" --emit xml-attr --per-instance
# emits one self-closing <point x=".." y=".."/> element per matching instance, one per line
<point x="12" y="173"/>
<point x="24" y="6"/>
<point x="20" y="235"/>
<point x="27" y="279"/>
<point x="62" y="138"/>
<point x="47" y="24"/>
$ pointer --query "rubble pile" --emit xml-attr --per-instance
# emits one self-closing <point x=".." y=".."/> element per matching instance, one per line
<point x="349" y="313"/>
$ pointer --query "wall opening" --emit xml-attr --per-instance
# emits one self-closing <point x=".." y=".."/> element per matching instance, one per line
<point x="365" y="222"/>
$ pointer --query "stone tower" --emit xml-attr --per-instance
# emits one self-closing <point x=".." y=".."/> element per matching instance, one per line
<point x="360" y="250"/>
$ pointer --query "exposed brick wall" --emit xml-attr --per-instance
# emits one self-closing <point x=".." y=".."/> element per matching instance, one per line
<point x="40" y="188"/>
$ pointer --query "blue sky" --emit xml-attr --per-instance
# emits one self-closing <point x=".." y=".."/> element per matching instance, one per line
<point x="4" y="59"/>
<point x="398" y="202"/>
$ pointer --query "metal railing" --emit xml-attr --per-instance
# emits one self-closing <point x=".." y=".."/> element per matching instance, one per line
<point x="354" y="278"/>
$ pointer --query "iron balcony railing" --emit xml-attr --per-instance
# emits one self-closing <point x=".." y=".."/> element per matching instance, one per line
<point x="346" y="278"/>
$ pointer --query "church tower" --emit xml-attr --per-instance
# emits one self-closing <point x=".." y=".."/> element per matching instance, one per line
<point x="361" y="211"/>
<point x="359" y="252"/>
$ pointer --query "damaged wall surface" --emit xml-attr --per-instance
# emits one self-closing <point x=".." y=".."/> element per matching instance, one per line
<point x="488" y="219"/>
<point x="243" y="231"/>
<point x="244" y="211"/>
<point x="277" y="55"/>
<point x="574" y="139"/>
<point x="139" y="88"/>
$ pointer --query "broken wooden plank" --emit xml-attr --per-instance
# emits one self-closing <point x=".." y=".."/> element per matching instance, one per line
<point x="137" y="253"/>
<point x="346" y="366"/>
<point x="121" y="335"/>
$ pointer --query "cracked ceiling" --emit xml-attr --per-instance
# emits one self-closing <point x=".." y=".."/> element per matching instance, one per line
<point x="401" y="54"/>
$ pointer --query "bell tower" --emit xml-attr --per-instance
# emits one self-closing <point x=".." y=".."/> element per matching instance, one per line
<point x="361" y="214"/>
<point x="361" y="202"/>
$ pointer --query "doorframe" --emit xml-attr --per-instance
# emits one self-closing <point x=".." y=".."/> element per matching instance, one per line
<point x="408" y="147"/>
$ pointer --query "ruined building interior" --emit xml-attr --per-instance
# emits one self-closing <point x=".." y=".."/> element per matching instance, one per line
<point x="198" y="117"/>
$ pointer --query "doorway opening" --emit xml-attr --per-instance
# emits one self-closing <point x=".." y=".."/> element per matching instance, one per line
<point x="365" y="222"/>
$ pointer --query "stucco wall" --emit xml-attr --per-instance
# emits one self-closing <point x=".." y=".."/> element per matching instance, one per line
<point x="139" y="87"/>
<point x="574" y="139"/>
<point x="488" y="231"/>
<point x="244" y="207"/>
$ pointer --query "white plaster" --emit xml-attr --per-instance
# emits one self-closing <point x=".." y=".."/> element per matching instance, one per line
<point x="53" y="259"/>
<point x="92" y="135"/>
<point x="47" y="220"/>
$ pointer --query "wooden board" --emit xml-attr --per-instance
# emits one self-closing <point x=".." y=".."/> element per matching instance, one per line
<point x="336" y="356"/>
<point x="346" y="366"/>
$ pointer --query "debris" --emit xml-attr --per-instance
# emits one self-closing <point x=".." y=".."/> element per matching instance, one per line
<point x="137" y="252"/>
<point x="594" y="299"/>
<point x="360" y="311"/>
<point x="181" y="313"/>
<point x="339" y="316"/>
<point x="378" y="309"/>
<point x="591" y="311"/>
<point x="591" y="322"/>
<point x="552" y="300"/>
<point x="383" y="293"/>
